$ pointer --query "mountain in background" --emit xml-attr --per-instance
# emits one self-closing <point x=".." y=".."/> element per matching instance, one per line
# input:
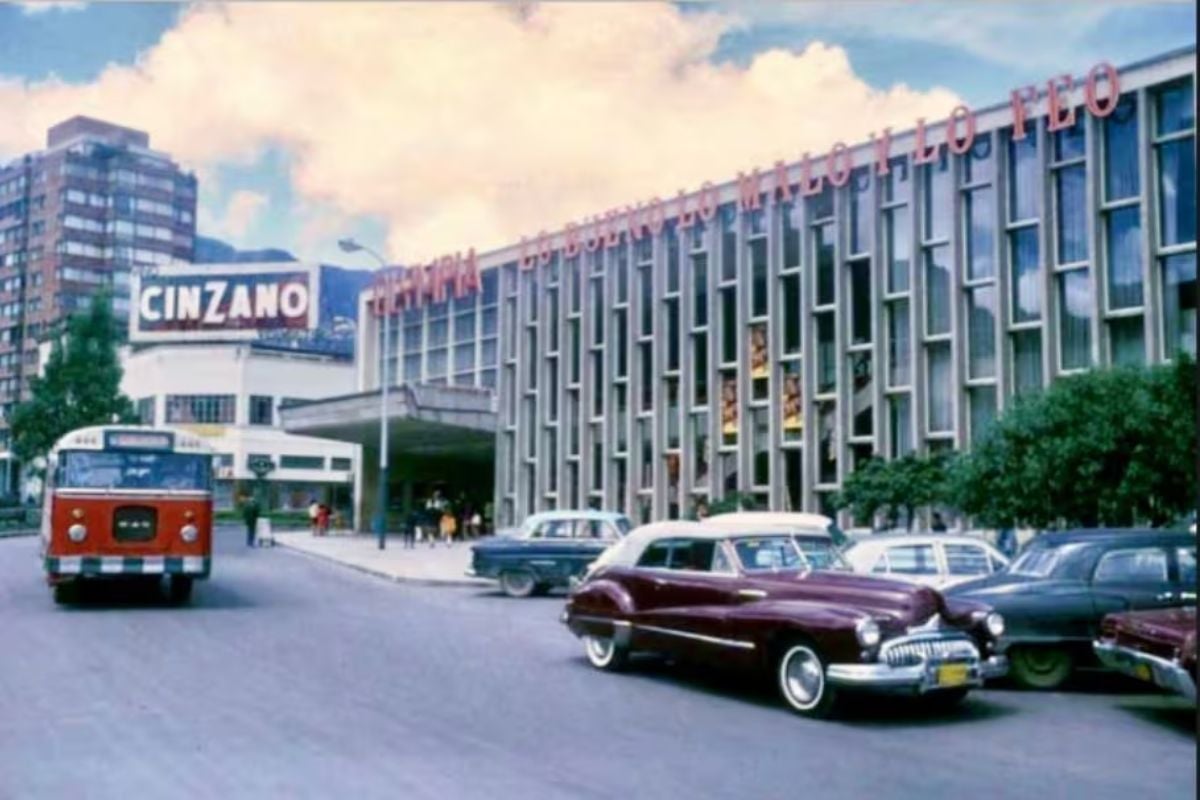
<point x="338" y="313"/>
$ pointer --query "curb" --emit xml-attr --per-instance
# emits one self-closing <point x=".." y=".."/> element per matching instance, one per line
<point x="18" y="534"/>
<point x="388" y="576"/>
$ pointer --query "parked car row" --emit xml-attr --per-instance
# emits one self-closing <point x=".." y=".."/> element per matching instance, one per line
<point x="927" y="615"/>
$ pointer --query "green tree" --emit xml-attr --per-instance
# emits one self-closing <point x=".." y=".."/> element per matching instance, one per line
<point x="80" y="385"/>
<point x="895" y="488"/>
<point x="734" y="501"/>
<point x="1106" y="448"/>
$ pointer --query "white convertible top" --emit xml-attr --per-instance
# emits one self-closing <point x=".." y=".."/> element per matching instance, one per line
<point x="771" y="522"/>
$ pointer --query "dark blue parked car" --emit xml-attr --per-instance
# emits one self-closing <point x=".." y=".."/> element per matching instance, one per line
<point x="547" y="550"/>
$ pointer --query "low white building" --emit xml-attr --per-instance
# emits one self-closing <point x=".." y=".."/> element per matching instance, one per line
<point x="231" y="394"/>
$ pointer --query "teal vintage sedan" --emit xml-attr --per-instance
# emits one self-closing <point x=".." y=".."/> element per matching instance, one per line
<point x="547" y="551"/>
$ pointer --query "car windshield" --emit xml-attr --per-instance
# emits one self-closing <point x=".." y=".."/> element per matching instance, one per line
<point x="820" y="553"/>
<point x="1040" y="562"/>
<point x="94" y="469"/>
<point x="768" y="553"/>
<point x="623" y="525"/>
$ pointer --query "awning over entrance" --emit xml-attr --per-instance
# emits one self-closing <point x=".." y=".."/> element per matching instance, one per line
<point x="439" y="437"/>
<point x="422" y="420"/>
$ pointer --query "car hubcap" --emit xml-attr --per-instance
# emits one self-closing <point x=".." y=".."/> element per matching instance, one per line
<point x="518" y="582"/>
<point x="803" y="678"/>
<point x="600" y="651"/>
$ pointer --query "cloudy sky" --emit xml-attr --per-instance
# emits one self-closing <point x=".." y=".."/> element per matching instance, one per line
<point x="424" y="128"/>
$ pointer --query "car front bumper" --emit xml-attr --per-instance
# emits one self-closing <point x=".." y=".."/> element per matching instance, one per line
<point x="916" y="679"/>
<point x="1167" y="674"/>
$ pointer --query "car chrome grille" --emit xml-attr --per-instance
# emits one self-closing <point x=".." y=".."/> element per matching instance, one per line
<point x="909" y="651"/>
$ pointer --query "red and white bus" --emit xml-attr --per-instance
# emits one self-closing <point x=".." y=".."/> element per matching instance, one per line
<point x="127" y="501"/>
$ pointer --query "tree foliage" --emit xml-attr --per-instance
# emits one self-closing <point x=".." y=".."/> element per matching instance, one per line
<point x="894" y="488"/>
<point x="1106" y="448"/>
<point x="80" y="385"/>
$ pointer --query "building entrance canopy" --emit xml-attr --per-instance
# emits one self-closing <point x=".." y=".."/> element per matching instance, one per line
<point x="439" y="437"/>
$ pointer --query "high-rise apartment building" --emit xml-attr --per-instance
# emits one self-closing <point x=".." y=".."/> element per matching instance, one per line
<point x="75" y="217"/>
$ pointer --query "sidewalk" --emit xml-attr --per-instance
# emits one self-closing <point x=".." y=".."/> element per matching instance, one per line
<point x="437" y="566"/>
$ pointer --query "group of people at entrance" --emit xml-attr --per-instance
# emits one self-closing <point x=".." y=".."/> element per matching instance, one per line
<point x="438" y="519"/>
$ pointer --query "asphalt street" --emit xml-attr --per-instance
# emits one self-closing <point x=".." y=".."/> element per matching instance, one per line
<point x="290" y="677"/>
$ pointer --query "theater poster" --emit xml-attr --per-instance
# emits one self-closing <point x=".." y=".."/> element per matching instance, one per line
<point x="758" y="352"/>
<point x="729" y="407"/>
<point x="793" y="403"/>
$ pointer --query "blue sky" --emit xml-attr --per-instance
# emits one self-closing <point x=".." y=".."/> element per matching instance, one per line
<point x="978" y="50"/>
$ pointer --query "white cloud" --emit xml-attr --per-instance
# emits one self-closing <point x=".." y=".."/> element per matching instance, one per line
<point x="472" y="124"/>
<point x="1013" y="34"/>
<point x="235" y="220"/>
<point x="44" y="6"/>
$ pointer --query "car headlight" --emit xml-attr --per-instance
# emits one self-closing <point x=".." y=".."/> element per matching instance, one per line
<point x="995" y="624"/>
<point x="867" y="631"/>
<point x="77" y="532"/>
<point x="189" y="533"/>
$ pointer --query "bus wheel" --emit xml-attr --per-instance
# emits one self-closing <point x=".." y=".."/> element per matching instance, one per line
<point x="179" y="588"/>
<point x="66" y="592"/>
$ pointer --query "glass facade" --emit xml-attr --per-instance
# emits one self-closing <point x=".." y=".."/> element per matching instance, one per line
<point x="767" y="345"/>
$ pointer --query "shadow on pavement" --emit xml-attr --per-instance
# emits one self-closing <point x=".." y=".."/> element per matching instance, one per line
<point x="858" y="708"/>
<point x="121" y="594"/>
<point x="1166" y="711"/>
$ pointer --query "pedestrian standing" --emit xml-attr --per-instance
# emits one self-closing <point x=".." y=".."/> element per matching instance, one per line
<point x="476" y="524"/>
<point x="449" y="526"/>
<point x="322" y="520"/>
<point x="412" y="521"/>
<point x="250" y="514"/>
<point x="314" y="512"/>
<point x="937" y="525"/>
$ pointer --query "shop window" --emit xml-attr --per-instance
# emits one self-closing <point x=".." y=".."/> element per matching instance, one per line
<point x="262" y="408"/>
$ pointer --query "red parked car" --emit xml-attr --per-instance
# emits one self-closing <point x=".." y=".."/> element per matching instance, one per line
<point x="1157" y="646"/>
<point x="747" y="599"/>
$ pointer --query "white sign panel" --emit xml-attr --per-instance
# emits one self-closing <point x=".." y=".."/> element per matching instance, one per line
<point x="214" y="302"/>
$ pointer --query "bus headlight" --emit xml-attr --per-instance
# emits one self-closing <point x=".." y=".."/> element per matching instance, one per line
<point x="77" y="533"/>
<point x="189" y="533"/>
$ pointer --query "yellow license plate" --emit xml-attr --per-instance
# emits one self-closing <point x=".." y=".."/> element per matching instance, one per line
<point x="952" y="675"/>
<point x="1142" y="671"/>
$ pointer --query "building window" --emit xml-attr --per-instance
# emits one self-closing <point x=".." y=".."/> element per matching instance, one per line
<point x="1074" y="313"/>
<point x="145" y="410"/>
<point x="1127" y="341"/>
<point x="1071" y="202"/>
<point x="758" y="277"/>
<point x="761" y="441"/>
<point x="899" y="247"/>
<point x="262" y="409"/>
<point x="937" y="290"/>
<point x="1121" y="151"/>
<point x="201" y="408"/>
<point x="700" y="289"/>
<point x="980" y="214"/>
<point x="936" y="185"/>
<point x="983" y="410"/>
<point x="860" y="211"/>
<point x="1177" y="190"/>
<point x="941" y="390"/>
<point x="900" y="424"/>
<point x="862" y="415"/>
<point x="1179" y="304"/>
<point x="1123" y="240"/>
<point x="826" y="353"/>
<point x="301" y="462"/>
<point x="791" y="234"/>
<point x="860" y="301"/>
<point x="340" y="464"/>
<point x="899" y="343"/>
<point x="1027" y="361"/>
<point x="981" y="332"/>
<point x="729" y="329"/>
<point x="823" y="243"/>
<point x="1026" y="296"/>
<point x="700" y="368"/>
<point x="791" y="313"/>
<point x="1023" y="183"/>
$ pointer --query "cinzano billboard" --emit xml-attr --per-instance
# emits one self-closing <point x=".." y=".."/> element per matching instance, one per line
<point x="217" y="302"/>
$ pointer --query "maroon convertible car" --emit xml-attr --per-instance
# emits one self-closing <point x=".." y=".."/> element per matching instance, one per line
<point x="746" y="600"/>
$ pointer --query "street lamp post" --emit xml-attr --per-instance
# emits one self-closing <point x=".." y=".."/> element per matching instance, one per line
<point x="351" y="246"/>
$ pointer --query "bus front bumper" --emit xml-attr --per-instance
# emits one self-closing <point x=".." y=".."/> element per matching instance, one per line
<point x="66" y="567"/>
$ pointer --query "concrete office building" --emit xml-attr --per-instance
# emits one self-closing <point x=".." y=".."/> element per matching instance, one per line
<point x="768" y="334"/>
<point x="77" y="216"/>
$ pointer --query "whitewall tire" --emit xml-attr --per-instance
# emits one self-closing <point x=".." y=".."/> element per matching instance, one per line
<point x="800" y="674"/>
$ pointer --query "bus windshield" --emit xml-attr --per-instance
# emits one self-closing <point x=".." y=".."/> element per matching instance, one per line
<point x="116" y="469"/>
